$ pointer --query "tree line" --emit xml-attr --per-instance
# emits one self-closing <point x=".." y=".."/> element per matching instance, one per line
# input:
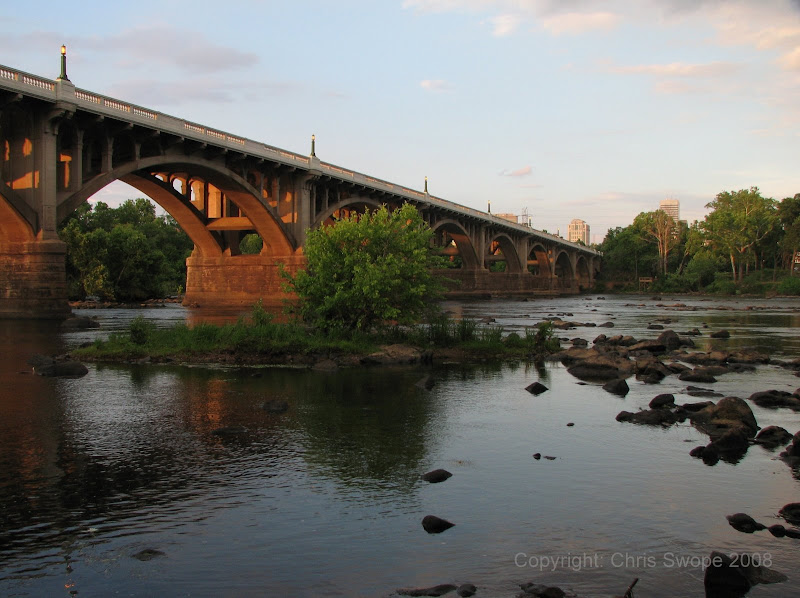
<point x="744" y="240"/>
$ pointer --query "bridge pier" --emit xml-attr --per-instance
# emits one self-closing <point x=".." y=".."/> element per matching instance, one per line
<point x="237" y="281"/>
<point x="33" y="281"/>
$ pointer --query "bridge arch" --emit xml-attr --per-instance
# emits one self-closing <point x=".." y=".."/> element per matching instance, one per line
<point x="583" y="272"/>
<point x="501" y="244"/>
<point x="539" y="261"/>
<point x="345" y="206"/>
<point x="17" y="220"/>
<point x="463" y="243"/>
<point x="562" y="269"/>
<point x="142" y="174"/>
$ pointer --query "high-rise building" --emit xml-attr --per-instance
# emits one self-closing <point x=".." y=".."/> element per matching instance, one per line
<point x="578" y="231"/>
<point x="671" y="207"/>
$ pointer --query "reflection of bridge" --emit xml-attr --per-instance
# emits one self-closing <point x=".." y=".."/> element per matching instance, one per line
<point x="60" y="145"/>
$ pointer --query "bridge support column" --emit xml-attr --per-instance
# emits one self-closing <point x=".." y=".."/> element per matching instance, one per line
<point x="237" y="281"/>
<point x="33" y="280"/>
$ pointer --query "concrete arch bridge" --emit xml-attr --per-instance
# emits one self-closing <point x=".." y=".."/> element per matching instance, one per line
<point x="59" y="145"/>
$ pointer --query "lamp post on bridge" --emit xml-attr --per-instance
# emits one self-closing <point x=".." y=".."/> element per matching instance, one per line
<point x="63" y="75"/>
<point x="313" y="146"/>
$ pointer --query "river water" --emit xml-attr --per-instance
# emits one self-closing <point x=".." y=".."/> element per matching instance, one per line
<point x="325" y="499"/>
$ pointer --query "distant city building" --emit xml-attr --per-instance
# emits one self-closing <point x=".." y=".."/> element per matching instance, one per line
<point x="671" y="207"/>
<point x="578" y="231"/>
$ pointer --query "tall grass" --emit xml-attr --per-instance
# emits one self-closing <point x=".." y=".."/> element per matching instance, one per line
<point x="257" y="334"/>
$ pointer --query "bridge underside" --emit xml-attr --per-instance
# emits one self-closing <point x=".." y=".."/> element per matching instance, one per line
<point x="54" y="155"/>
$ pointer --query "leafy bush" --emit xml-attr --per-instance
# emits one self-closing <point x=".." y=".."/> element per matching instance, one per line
<point x="722" y="285"/>
<point x="789" y="286"/>
<point x="140" y="330"/>
<point x="366" y="270"/>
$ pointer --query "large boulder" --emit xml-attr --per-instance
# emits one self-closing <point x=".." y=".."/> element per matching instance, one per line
<point x="439" y="590"/>
<point x="772" y="399"/>
<point x="728" y="413"/>
<point x="602" y="367"/>
<point x="792" y="452"/>
<point x="748" y="356"/>
<point x="663" y="401"/>
<point x="726" y="577"/>
<point x="79" y="323"/>
<point x="536" y="388"/>
<point x="731" y="445"/>
<point x="791" y="513"/>
<point x="435" y="525"/>
<point x="772" y="437"/>
<point x="670" y="340"/>
<point x="744" y="523"/>
<point x="697" y="375"/>
<point x="436" y="476"/>
<point x="65" y="369"/>
<point x="617" y="387"/>
<point x="652" y="346"/>
<point x="650" y="417"/>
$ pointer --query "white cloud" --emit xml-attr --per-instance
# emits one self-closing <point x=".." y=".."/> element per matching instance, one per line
<point x="160" y="44"/>
<point x="680" y="69"/>
<point x="684" y="78"/>
<point x="791" y="60"/>
<point x="503" y="25"/>
<point x="576" y="23"/>
<point x="524" y="171"/>
<point x="436" y="85"/>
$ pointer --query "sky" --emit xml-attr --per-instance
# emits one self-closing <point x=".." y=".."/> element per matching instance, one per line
<point x="561" y="109"/>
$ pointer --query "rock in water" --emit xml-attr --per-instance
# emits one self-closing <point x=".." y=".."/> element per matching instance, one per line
<point x="791" y="513"/>
<point x="772" y="437"/>
<point x="275" y="406"/>
<point x="229" y="431"/>
<point x="617" y="387"/>
<point x="147" y="554"/>
<point x="39" y="360"/>
<point x="435" y="525"/>
<point x="426" y="383"/>
<point x="66" y="369"/>
<point x="663" y="401"/>
<point x="542" y="591"/>
<point x="777" y="530"/>
<point x="466" y="589"/>
<point x="439" y="590"/>
<point x="724" y="577"/>
<point x="744" y="523"/>
<point x="536" y="388"/>
<point x="436" y="476"/>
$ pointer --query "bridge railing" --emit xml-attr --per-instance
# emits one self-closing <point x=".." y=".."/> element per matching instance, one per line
<point x="62" y="90"/>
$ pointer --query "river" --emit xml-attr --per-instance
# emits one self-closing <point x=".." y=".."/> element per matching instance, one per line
<point x="325" y="499"/>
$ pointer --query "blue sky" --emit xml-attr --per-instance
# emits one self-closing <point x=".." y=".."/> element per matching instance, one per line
<point x="564" y="108"/>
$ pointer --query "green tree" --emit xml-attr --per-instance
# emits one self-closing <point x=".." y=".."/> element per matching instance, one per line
<point x="789" y="217"/>
<point x="368" y="269"/>
<point x="659" y="228"/>
<point x="625" y="255"/>
<point x="251" y="244"/>
<point x="739" y="220"/>
<point x="126" y="253"/>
